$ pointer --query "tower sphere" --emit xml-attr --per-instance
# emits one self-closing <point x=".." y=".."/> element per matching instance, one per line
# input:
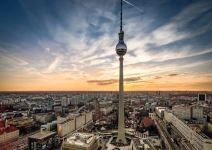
<point x="121" y="47"/>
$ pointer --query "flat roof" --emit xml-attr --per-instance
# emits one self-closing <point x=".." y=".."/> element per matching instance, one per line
<point x="65" y="121"/>
<point x="42" y="135"/>
<point x="81" y="139"/>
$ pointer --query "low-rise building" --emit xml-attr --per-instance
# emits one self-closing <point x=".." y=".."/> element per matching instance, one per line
<point x="7" y="132"/>
<point x="81" y="141"/>
<point x="152" y="115"/>
<point x="106" y="110"/>
<point x="139" y="144"/>
<point x="160" y="111"/>
<point x="43" y="117"/>
<point x="41" y="140"/>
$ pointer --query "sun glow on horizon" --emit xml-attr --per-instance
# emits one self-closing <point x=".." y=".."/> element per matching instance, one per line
<point x="70" y="46"/>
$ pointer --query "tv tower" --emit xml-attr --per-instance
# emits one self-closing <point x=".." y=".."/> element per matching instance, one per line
<point x="121" y="50"/>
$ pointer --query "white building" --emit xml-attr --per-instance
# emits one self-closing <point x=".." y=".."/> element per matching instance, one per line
<point x="80" y="121"/>
<point x="66" y="126"/>
<point x="152" y="115"/>
<point x="182" y="111"/>
<point x="89" y="117"/>
<point x="58" y="109"/>
<point x="81" y="141"/>
<point x="197" y="113"/>
<point x="64" y="102"/>
<point x="198" y="141"/>
<point x="189" y="112"/>
<point x="160" y="111"/>
<point x="106" y="110"/>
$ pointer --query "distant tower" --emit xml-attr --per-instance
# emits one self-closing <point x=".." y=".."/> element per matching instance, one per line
<point x="121" y="50"/>
<point x="97" y="111"/>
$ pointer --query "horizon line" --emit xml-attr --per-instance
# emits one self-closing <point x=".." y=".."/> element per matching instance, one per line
<point x="10" y="91"/>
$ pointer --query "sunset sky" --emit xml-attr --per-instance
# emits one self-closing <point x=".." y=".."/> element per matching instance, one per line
<point x="70" y="45"/>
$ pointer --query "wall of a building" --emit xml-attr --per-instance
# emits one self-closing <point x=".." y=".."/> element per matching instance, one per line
<point x="9" y="136"/>
<point x="199" y="142"/>
<point x="66" y="126"/>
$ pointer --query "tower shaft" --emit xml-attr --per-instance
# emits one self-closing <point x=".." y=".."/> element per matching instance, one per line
<point x="121" y="127"/>
<point x="121" y="50"/>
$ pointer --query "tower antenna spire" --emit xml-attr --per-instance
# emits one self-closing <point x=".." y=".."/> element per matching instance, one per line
<point x="121" y="17"/>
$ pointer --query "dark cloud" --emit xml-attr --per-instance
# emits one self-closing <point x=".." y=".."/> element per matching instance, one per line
<point x="173" y="74"/>
<point x="103" y="82"/>
<point x="157" y="77"/>
<point x="132" y="79"/>
<point x="112" y="81"/>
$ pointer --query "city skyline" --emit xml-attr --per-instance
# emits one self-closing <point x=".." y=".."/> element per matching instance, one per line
<point x="69" y="45"/>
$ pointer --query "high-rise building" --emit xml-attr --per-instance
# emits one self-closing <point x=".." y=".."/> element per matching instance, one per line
<point x="97" y="111"/>
<point x="121" y="50"/>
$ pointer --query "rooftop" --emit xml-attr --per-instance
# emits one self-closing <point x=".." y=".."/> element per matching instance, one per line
<point x="112" y="145"/>
<point x="42" y="135"/>
<point x="65" y="121"/>
<point x="81" y="139"/>
<point x="147" y="122"/>
<point x="8" y="129"/>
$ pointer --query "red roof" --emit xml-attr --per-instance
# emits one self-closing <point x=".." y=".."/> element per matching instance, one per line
<point x="147" y="122"/>
<point x="4" y="129"/>
<point x="8" y="130"/>
<point x="3" y="109"/>
<point x="2" y="124"/>
<point x="11" y="129"/>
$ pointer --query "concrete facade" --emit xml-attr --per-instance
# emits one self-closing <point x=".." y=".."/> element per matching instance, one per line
<point x="198" y="141"/>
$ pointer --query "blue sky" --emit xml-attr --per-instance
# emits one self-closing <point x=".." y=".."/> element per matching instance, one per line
<point x="70" y="44"/>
